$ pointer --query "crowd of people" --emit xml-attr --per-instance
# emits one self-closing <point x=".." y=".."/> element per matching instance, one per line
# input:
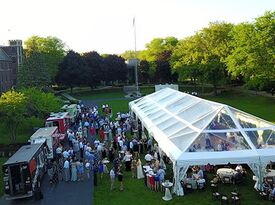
<point x="95" y="141"/>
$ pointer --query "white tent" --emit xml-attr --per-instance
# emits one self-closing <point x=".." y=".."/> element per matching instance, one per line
<point x="194" y="131"/>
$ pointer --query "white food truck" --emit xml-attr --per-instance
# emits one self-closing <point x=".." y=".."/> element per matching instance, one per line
<point x="48" y="134"/>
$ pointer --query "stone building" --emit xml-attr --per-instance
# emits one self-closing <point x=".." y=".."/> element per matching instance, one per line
<point x="10" y="59"/>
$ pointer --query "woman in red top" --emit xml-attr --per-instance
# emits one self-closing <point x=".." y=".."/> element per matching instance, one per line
<point x="102" y="135"/>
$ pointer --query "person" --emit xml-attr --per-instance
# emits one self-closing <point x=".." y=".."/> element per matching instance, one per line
<point x="200" y="173"/>
<point x="140" y="174"/>
<point x="50" y="170"/>
<point x="134" y="168"/>
<point x="266" y="186"/>
<point x="66" y="168"/>
<point x="58" y="151"/>
<point x="272" y="91"/>
<point x="272" y="193"/>
<point x="101" y="169"/>
<point x="80" y="170"/>
<point x="238" y="177"/>
<point x="120" y="177"/>
<point x="87" y="168"/>
<point x="73" y="171"/>
<point x="128" y="158"/>
<point x="148" y="157"/>
<point x="239" y="168"/>
<point x="112" y="178"/>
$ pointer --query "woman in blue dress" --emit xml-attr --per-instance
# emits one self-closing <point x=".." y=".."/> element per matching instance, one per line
<point x="80" y="170"/>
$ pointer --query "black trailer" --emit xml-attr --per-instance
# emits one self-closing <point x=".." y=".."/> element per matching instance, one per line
<point x="24" y="170"/>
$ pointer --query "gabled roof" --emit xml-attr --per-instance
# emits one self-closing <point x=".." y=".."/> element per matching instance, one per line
<point x="4" y="56"/>
<point x="182" y="123"/>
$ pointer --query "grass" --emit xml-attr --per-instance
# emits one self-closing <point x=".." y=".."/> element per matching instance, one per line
<point x="263" y="107"/>
<point x="135" y="191"/>
<point x="25" y="130"/>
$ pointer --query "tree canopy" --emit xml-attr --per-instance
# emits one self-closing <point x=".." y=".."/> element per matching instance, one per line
<point x="52" y="48"/>
<point x="12" y="111"/>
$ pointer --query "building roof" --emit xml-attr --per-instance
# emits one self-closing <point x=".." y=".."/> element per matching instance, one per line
<point x="24" y="154"/>
<point x="4" y="56"/>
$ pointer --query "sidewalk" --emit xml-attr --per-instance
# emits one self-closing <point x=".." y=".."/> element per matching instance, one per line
<point x="64" y="193"/>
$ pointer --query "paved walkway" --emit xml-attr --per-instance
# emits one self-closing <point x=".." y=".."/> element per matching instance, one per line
<point x="64" y="193"/>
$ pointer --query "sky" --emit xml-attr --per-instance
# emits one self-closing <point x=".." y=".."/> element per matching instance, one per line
<point x="106" y="26"/>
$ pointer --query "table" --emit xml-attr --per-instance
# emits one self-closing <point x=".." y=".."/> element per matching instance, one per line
<point x="167" y="196"/>
<point x="270" y="173"/>
<point x="226" y="172"/>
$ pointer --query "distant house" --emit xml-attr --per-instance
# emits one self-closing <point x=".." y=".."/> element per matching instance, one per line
<point x="10" y="59"/>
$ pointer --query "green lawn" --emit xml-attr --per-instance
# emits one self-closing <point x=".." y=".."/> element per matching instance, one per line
<point x="135" y="191"/>
<point x="263" y="107"/>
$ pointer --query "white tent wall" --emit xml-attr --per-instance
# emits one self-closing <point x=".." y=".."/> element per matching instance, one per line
<point x="171" y="106"/>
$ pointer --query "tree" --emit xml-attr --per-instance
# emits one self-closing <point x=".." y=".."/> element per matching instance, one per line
<point x="114" y="69"/>
<point x="93" y="68"/>
<point x="33" y="72"/>
<point x="203" y="55"/>
<point x="71" y="70"/>
<point x="40" y="104"/>
<point x="143" y="71"/>
<point x="187" y="58"/>
<point x="158" y="53"/>
<point x="52" y="48"/>
<point x="128" y="55"/>
<point x="216" y="41"/>
<point x="12" y="110"/>
<point x="252" y="55"/>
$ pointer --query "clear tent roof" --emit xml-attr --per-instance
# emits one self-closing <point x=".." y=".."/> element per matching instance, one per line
<point x="192" y="124"/>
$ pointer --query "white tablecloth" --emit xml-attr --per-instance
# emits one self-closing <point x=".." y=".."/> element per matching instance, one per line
<point x="226" y="172"/>
<point x="270" y="173"/>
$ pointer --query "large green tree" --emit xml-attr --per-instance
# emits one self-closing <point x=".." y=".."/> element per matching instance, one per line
<point x="52" y="48"/>
<point x="114" y="69"/>
<point x="187" y="58"/>
<point x="158" y="53"/>
<point x="93" y="69"/>
<point x="71" y="70"/>
<point x="33" y="72"/>
<point x="12" y="111"/>
<point x="40" y="104"/>
<point x="253" y="53"/>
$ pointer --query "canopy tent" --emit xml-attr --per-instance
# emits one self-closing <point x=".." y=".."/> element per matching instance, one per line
<point x="194" y="131"/>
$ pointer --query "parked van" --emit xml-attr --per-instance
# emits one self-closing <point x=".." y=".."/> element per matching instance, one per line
<point x="50" y="135"/>
<point x="24" y="170"/>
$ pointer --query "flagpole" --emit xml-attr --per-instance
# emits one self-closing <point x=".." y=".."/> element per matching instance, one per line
<point x="136" y="60"/>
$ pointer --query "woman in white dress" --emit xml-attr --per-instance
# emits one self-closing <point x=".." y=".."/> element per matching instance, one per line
<point x="140" y="174"/>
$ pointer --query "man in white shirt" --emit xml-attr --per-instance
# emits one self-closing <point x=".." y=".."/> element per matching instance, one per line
<point x="148" y="158"/>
